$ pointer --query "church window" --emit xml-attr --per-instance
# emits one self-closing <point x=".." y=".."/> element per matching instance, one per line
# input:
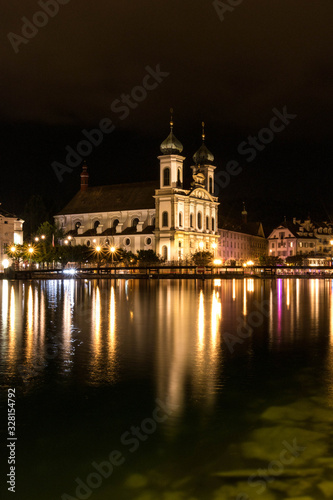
<point x="96" y="224"/>
<point x="199" y="220"/>
<point x="77" y="225"/>
<point x="115" y="223"/>
<point x="180" y="219"/>
<point x="166" y="177"/>
<point x="207" y="223"/>
<point x="210" y="184"/>
<point x="148" y="241"/>
<point x="127" y="241"/>
<point x="178" y="178"/>
<point x="179" y="244"/>
<point x="135" y="222"/>
<point x="88" y="243"/>
<point x="213" y="224"/>
<point x="191" y="220"/>
<point x="165" y="219"/>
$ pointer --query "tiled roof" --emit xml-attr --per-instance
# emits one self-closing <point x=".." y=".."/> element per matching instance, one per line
<point x="114" y="198"/>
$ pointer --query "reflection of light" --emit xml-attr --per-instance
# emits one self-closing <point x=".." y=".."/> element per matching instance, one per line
<point x="279" y="303"/>
<point x="112" y="314"/>
<point x="233" y="289"/>
<point x="30" y="323"/>
<point x="250" y="285"/>
<point x="217" y="282"/>
<point x="201" y="319"/>
<point x="97" y="312"/>
<point x="216" y="315"/>
<point x="4" y="304"/>
<point x="244" y="297"/>
<point x="12" y="311"/>
<point x="288" y="293"/>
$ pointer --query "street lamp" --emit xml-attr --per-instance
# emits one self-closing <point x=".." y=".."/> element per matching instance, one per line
<point x="97" y="250"/>
<point x="201" y="245"/>
<point x="31" y="251"/>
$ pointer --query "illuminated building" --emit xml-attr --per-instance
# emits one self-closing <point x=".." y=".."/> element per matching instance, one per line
<point x="164" y="216"/>
<point x="11" y="231"/>
<point x="241" y="241"/>
<point x="308" y="238"/>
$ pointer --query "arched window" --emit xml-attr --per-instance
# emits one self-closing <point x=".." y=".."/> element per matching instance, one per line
<point x="115" y="223"/>
<point x="207" y="223"/>
<point x="165" y="252"/>
<point x="179" y="181"/>
<point x="213" y="224"/>
<point x="135" y="222"/>
<point x="77" y="225"/>
<point x="96" y="224"/>
<point x="165" y="219"/>
<point x="199" y="220"/>
<point x="191" y="220"/>
<point x="166" y="177"/>
<point x="180" y="219"/>
<point x="210" y="184"/>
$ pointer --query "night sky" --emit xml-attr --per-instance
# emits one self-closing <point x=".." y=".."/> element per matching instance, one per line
<point x="229" y="65"/>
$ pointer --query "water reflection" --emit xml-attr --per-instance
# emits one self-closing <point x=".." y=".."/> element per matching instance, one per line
<point x="181" y="322"/>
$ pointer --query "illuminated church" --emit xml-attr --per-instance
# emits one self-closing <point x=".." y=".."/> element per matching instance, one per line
<point x="165" y="216"/>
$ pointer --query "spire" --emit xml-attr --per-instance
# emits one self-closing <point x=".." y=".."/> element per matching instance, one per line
<point x="171" y="145"/>
<point x="84" y="177"/>
<point x="244" y="214"/>
<point x="203" y="155"/>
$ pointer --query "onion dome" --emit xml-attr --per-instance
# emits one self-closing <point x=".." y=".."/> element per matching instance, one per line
<point x="203" y="155"/>
<point x="171" y="145"/>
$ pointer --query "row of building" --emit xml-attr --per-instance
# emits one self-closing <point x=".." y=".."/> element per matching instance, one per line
<point x="175" y="220"/>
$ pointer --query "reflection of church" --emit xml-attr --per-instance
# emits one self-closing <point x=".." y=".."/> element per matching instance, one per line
<point x="166" y="217"/>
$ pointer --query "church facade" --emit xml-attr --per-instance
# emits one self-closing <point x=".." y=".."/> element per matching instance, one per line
<point x="163" y="216"/>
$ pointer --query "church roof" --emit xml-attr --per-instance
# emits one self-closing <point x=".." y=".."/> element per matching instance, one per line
<point x="114" y="198"/>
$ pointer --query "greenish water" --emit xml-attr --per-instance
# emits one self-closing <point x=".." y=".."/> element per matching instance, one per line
<point x="169" y="390"/>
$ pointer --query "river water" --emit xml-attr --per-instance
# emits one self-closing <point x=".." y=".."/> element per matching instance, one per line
<point x="171" y="390"/>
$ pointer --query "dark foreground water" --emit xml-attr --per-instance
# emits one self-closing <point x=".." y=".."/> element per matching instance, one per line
<point x="171" y="390"/>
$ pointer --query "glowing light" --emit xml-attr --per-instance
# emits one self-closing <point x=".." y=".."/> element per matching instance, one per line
<point x="201" y="319"/>
<point x="13" y="249"/>
<point x="233" y="289"/>
<point x="5" y="263"/>
<point x="217" y="262"/>
<point x="98" y="249"/>
<point x="214" y="245"/>
<point x="250" y="263"/>
<point x="69" y="271"/>
<point x="31" y="250"/>
<point x="201" y="245"/>
<point x="112" y="249"/>
<point x="288" y="294"/>
<point x="244" y="298"/>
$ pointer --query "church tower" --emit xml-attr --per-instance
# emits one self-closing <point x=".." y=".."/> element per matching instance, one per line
<point x="169" y="198"/>
<point x="203" y="170"/>
<point x="171" y="163"/>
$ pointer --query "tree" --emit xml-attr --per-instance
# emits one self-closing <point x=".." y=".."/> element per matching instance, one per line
<point x="269" y="260"/>
<point x="202" y="258"/>
<point x="296" y="260"/>
<point x="146" y="257"/>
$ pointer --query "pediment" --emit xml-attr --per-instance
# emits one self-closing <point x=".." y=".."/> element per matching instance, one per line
<point x="202" y="194"/>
